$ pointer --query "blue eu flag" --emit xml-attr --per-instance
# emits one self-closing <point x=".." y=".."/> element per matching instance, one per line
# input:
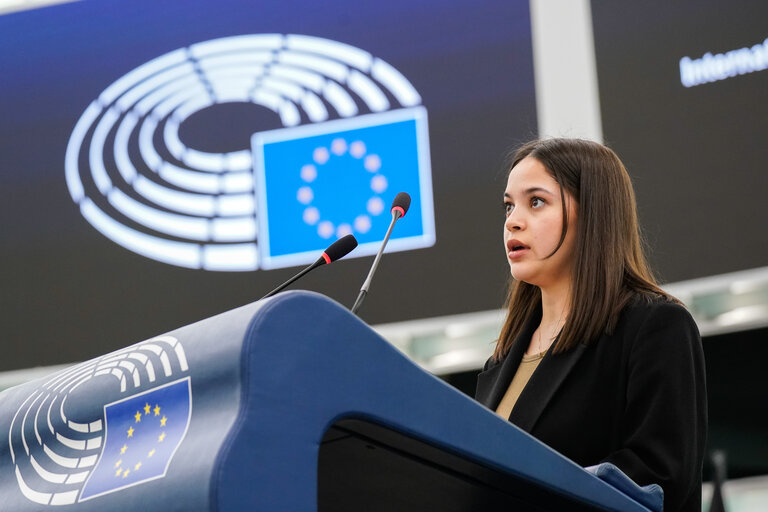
<point x="142" y="434"/>
<point x="317" y="183"/>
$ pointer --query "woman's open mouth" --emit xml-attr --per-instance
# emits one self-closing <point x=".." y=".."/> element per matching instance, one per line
<point x="516" y="249"/>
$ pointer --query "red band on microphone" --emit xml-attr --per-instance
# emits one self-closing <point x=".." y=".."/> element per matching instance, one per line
<point x="400" y="209"/>
<point x="326" y="258"/>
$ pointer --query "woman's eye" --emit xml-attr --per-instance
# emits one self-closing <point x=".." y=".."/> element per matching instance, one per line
<point x="508" y="207"/>
<point x="536" y="202"/>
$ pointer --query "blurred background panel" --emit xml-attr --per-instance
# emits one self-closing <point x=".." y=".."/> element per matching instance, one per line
<point x="70" y="293"/>
<point x="696" y="153"/>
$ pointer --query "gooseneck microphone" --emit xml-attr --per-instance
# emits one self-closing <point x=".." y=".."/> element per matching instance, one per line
<point x="399" y="207"/>
<point x="335" y="251"/>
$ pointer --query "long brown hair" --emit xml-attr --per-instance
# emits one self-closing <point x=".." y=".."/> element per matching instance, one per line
<point x="609" y="267"/>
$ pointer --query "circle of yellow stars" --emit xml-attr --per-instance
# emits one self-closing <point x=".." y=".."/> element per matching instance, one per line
<point x="122" y="471"/>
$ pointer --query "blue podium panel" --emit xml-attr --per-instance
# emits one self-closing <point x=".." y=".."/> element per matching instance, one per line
<point x="229" y="414"/>
<point x="137" y="429"/>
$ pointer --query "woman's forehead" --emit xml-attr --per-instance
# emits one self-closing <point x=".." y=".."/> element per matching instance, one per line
<point x="528" y="174"/>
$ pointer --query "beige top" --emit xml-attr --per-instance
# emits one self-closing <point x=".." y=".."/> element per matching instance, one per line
<point x="527" y="366"/>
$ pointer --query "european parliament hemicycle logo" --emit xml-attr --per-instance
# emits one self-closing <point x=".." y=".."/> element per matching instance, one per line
<point x="67" y="450"/>
<point x="354" y="134"/>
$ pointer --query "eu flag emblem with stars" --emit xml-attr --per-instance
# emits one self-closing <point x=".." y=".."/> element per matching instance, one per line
<point x="142" y="434"/>
<point x="318" y="182"/>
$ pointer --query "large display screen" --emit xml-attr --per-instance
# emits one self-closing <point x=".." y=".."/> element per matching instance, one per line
<point x="682" y="95"/>
<point x="162" y="162"/>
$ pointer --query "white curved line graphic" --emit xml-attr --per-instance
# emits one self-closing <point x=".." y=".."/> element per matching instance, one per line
<point x="42" y="498"/>
<point x="47" y="463"/>
<point x="57" y="478"/>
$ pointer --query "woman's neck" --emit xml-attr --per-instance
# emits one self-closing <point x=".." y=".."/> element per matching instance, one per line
<point x="555" y="305"/>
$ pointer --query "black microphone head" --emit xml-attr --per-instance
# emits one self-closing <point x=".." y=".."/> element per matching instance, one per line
<point x="401" y="203"/>
<point x="340" y="248"/>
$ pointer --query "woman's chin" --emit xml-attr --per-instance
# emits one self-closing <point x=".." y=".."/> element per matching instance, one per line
<point x="519" y="274"/>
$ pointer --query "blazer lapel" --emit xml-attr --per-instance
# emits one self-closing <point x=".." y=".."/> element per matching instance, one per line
<point x="493" y="383"/>
<point x="544" y="382"/>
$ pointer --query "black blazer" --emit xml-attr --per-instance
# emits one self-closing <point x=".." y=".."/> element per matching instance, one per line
<point x="635" y="398"/>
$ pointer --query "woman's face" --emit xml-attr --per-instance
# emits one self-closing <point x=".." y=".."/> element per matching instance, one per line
<point x="534" y="224"/>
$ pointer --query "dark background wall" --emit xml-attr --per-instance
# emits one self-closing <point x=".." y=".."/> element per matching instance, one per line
<point x="697" y="155"/>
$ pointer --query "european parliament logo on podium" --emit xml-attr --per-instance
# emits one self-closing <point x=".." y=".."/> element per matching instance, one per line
<point x="315" y="183"/>
<point x="103" y="425"/>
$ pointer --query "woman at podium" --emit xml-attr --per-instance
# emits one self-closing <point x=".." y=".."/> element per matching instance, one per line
<point x="594" y="359"/>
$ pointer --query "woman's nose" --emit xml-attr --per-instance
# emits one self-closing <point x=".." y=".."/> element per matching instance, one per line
<point x="514" y="221"/>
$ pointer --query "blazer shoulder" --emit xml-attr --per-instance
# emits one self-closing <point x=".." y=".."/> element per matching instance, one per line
<point x="648" y="314"/>
<point x="490" y="363"/>
<point x="659" y="325"/>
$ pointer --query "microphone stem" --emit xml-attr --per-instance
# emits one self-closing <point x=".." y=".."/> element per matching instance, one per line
<point x="294" y="278"/>
<point x="367" y="284"/>
<point x="359" y="301"/>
